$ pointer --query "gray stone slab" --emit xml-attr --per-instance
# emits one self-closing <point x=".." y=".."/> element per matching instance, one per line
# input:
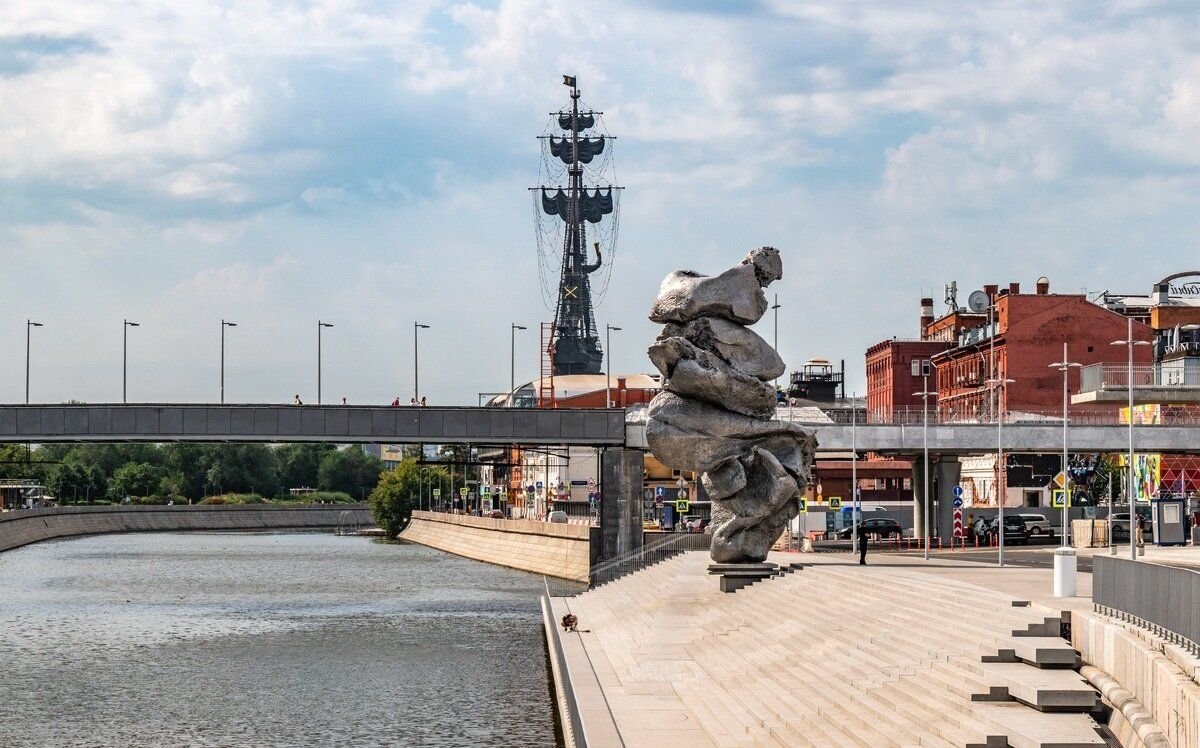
<point x="383" y="422"/>
<point x="75" y="420"/>
<point x="53" y="421"/>
<point x="501" y="422"/>
<point x="360" y="425"/>
<point x="266" y="421"/>
<point x="431" y="423"/>
<point x="290" y="422"/>
<point x="479" y="423"/>
<point x="408" y="422"/>
<point x="549" y="424"/>
<point x="312" y="422"/>
<point x="195" y="420"/>
<point x="217" y="421"/>
<point x="454" y="423"/>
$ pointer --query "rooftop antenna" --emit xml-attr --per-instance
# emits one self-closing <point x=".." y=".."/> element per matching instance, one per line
<point x="952" y="296"/>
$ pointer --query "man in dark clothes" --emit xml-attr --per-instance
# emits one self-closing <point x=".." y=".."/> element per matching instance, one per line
<point x="862" y="544"/>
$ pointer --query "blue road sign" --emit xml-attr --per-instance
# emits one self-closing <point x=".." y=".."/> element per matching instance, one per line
<point x="958" y="492"/>
<point x="958" y="502"/>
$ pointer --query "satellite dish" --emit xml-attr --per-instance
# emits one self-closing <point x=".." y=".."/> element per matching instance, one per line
<point x="977" y="301"/>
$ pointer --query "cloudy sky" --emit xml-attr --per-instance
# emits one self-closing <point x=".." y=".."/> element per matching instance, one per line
<point x="366" y="163"/>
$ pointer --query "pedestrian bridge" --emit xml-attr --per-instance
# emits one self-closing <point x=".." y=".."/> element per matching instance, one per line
<point x="534" y="426"/>
<point x="309" y="423"/>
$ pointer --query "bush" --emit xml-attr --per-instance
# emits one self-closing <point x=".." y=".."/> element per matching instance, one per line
<point x="318" y="497"/>
<point x="395" y="497"/>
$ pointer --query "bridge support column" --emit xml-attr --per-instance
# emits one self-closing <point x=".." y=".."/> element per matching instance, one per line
<point x="948" y="472"/>
<point x="919" y="498"/>
<point x="621" y="501"/>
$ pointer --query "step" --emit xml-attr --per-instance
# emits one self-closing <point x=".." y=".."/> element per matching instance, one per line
<point x="1042" y="689"/>
<point x="1038" y="651"/>
<point x="1023" y="727"/>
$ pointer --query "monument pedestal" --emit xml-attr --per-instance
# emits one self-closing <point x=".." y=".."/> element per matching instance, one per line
<point x="736" y="576"/>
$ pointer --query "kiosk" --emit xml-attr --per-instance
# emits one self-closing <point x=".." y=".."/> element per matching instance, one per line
<point x="1169" y="520"/>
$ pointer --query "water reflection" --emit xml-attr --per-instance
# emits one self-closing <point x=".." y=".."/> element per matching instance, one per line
<point x="266" y="640"/>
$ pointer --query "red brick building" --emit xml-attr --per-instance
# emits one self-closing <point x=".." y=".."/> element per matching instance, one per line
<point x="1026" y="337"/>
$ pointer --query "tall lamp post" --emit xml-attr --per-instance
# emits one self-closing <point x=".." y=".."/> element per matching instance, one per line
<point x="775" y="308"/>
<point x="1064" y="556"/>
<point x="608" y="331"/>
<point x="512" y="364"/>
<point x="855" y="508"/>
<point x="1001" y="468"/>
<point x="1129" y="342"/>
<point x="28" y="325"/>
<point x="125" y="357"/>
<point x="922" y="367"/>
<point x="320" y="326"/>
<point x="224" y="324"/>
<point x="417" y="326"/>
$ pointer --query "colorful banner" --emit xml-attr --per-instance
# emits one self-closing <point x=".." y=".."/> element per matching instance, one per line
<point x="1147" y="474"/>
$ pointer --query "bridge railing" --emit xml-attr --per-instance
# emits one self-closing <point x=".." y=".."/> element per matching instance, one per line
<point x="1167" y="415"/>
<point x="1162" y="598"/>
<point x="648" y="554"/>
<point x="1117" y="376"/>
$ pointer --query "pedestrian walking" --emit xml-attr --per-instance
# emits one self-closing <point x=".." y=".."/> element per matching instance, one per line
<point x="422" y="401"/>
<point x="412" y="402"/>
<point x="862" y="544"/>
<point x="1141" y="531"/>
<point x="297" y="401"/>
<point x="970" y="526"/>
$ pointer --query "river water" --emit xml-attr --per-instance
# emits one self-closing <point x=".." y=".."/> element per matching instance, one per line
<point x="267" y="640"/>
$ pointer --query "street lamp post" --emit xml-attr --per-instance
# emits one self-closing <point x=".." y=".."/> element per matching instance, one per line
<point x="416" y="361"/>
<point x="1129" y="342"/>
<point x="775" y="308"/>
<point x="1001" y="468"/>
<point x="855" y="509"/>
<point x="608" y="331"/>
<point x="320" y="325"/>
<point x="922" y="366"/>
<point x="1064" y="556"/>
<point x="512" y="364"/>
<point x="28" y="324"/>
<point x="125" y="357"/>
<point x="224" y="324"/>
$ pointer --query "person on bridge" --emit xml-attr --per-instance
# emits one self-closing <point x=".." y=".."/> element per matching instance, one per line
<point x="862" y="544"/>
<point x="297" y="401"/>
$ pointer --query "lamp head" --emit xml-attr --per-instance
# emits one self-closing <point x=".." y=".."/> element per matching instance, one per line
<point x="519" y="327"/>
<point x="418" y="324"/>
<point x="32" y="323"/>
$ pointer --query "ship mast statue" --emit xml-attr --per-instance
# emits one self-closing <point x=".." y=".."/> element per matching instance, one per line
<point x="576" y="341"/>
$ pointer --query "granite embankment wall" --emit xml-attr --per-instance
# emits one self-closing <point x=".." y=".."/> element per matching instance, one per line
<point x="1154" y="684"/>
<point x="552" y="549"/>
<point x="27" y="526"/>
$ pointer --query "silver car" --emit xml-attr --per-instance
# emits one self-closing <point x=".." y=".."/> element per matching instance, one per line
<point x="1037" y="526"/>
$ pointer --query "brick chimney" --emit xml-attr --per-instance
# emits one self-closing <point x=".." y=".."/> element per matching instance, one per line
<point x="990" y="290"/>
<point x="926" y="314"/>
<point x="1043" y="286"/>
<point x="1014" y="288"/>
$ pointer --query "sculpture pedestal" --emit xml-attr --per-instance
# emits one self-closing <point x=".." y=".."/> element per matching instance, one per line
<point x="736" y="576"/>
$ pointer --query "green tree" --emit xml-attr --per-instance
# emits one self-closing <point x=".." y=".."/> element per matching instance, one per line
<point x="395" y="496"/>
<point x="74" y="481"/>
<point x="242" y="468"/>
<point x="134" y="479"/>
<point x="350" y="470"/>
<point x="299" y="465"/>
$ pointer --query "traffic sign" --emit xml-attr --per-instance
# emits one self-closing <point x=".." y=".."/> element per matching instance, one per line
<point x="437" y="492"/>
<point x="1060" y="498"/>
<point x="958" y="523"/>
<point x="660" y="491"/>
<point x="539" y="484"/>
<point x="591" y="484"/>
<point x="463" y="491"/>
<point x="681" y="506"/>
<point x="683" y="493"/>
<point x="958" y="492"/>
<point x="485" y="490"/>
<point x="958" y="502"/>
<point x="803" y="505"/>
<point x="1060" y="480"/>
<point x="835" y="502"/>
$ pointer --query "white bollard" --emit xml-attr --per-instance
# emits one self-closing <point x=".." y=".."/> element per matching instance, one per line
<point x="1064" y="572"/>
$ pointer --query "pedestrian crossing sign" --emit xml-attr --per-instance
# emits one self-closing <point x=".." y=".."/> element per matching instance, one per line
<point x="835" y="502"/>
<point x="803" y="505"/>
<point x="1060" y="498"/>
<point x="681" y="506"/>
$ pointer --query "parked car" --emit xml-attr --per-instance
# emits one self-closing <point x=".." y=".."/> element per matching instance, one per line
<point x="881" y="526"/>
<point x="695" y="523"/>
<point x="1120" y="524"/>
<point x="1015" y="531"/>
<point x="558" y="516"/>
<point x="1037" y="526"/>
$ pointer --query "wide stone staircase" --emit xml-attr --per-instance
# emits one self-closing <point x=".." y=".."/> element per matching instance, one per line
<point x="831" y="655"/>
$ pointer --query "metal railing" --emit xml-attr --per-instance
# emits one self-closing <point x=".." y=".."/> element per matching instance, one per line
<point x="1116" y="376"/>
<point x="574" y="711"/>
<point x="659" y="549"/>
<point x="1176" y="415"/>
<point x="1161" y="598"/>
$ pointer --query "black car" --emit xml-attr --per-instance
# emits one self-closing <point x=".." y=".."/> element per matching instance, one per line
<point x="1015" y="531"/>
<point x="875" y="526"/>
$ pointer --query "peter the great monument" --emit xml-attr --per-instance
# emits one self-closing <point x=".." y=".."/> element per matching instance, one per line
<point x="714" y="413"/>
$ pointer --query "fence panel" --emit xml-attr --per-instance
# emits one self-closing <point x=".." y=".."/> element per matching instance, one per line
<point x="1164" y="598"/>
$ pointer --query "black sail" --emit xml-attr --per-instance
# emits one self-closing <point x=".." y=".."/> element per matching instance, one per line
<point x="585" y="120"/>
<point x="593" y="206"/>
<point x="589" y="148"/>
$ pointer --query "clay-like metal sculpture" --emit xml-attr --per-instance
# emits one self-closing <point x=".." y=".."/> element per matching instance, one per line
<point x="714" y="414"/>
